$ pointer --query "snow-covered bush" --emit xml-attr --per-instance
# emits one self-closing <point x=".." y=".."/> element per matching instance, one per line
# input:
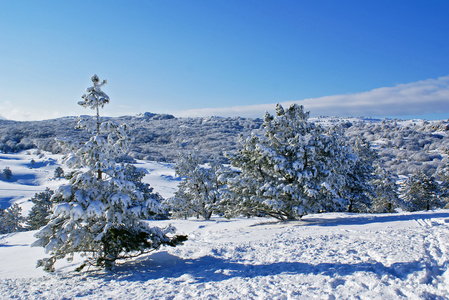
<point x="200" y="191"/>
<point x="421" y="192"/>
<point x="40" y="211"/>
<point x="135" y="175"/>
<point x="100" y="213"/>
<point x="7" y="173"/>
<point x="295" y="168"/>
<point x="443" y="174"/>
<point x="385" y="198"/>
<point x="59" y="172"/>
<point x="11" y="219"/>
<point x="358" y="188"/>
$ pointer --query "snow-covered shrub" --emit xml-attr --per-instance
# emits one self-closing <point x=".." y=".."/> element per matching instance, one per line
<point x="100" y="213"/>
<point x="7" y="173"/>
<point x="135" y="175"/>
<point x="295" y="168"/>
<point x="40" y="211"/>
<point x="443" y="174"/>
<point x="421" y="192"/>
<point x="59" y="172"/>
<point x="385" y="198"/>
<point x="200" y="191"/>
<point x="11" y="219"/>
<point x="358" y="188"/>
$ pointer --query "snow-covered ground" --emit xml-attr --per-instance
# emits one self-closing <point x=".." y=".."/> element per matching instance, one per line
<point x="323" y="256"/>
<point x="32" y="171"/>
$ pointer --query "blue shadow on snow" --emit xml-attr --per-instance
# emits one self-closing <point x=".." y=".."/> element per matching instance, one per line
<point x="359" y="220"/>
<point x="213" y="269"/>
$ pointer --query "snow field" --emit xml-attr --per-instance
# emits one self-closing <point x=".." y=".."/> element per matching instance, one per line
<point x="27" y="178"/>
<point x="327" y="256"/>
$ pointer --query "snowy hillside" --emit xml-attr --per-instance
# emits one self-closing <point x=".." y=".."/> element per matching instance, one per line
<point x="323" y="256"/>
<point x="32" y="171"/>
<point x="403" y="146"/>
<point x="30" y="177"/>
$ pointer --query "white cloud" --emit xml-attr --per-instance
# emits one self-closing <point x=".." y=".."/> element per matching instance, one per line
<point x="11" y="111"/>
<point x="420" y="98"/>
<point x="429" y="96"/>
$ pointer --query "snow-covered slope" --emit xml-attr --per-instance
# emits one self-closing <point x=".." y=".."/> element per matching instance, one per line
<point x="323" y="256"/>
<point x="404" y="145"/>
<point x="32" y="171"/>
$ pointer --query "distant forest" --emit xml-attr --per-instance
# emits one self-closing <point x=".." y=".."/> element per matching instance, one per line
<point x="404" y="147"/>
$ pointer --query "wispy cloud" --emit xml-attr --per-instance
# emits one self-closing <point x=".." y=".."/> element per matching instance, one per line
<point x="429" y="96"/>
<point x="12" y="111"/>
<point x="415" y="99"/>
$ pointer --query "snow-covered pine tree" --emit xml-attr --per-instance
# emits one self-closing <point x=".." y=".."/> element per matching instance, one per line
<point x="443" y="173"/>
<point x="200" y="190"/>
<point x="386" y="196"/>
<point x="295" y="168"/>
<point x="7" y="173"/>
<point x="421" y="192"/>
<point x="100" y="214"/>
<point x="11" y="219"/>
<point x="40" y="210"/>
<point x="59" y="172"/>
<point x="358" y="189"/>
<point x="135" y="175"/>
<point x="2" y="216"/>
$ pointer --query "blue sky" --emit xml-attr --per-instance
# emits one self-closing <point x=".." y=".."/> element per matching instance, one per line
<point x="194" y="58"/>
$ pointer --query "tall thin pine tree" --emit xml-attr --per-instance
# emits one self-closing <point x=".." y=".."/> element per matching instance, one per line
<point x="100" y="214"/>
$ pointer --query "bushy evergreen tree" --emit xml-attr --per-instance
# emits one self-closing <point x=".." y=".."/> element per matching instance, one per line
<point x="295" y="168"/>
<point x="11" y="219"/>
<point x="421" y="192"/>
<point x="358" y="189"/>
<point x="200" y="191"/>
<point x="444" y="186"/>
<point x="59" y="172"/>
<point x="135" y="175"/>
<point x="386" y="195"/>
<point x="7" y="173"/>
<point x="100" y="213"/>
<point x="40" y="211"/>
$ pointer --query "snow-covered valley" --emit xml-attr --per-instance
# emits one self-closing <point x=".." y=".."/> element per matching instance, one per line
<point x="323" y="256"/>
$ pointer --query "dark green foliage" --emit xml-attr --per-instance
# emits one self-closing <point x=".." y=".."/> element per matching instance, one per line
<point x="11" y="219"/>
<point x="7" y="173"/>
<point x="421" y="192"/>
<point x="59" y="172"/>
<point x="386" y="197"/>
<point x="444" y="186"/>
<point x="123" y="243"/>
<point x="358" y="188"/>
<point x="40" y="211"/>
